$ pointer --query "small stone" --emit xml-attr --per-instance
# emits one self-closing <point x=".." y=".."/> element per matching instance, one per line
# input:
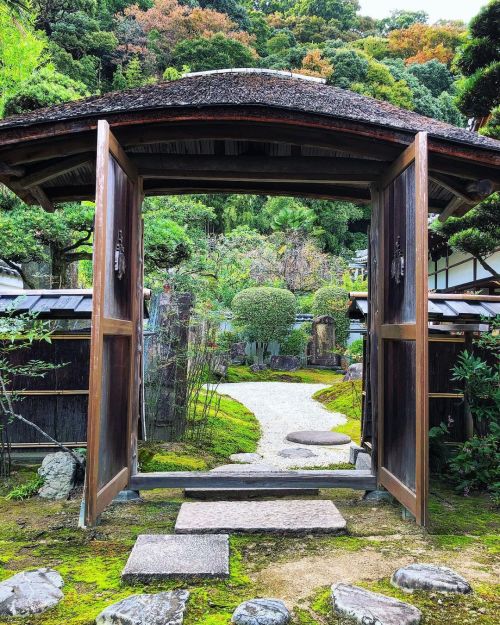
<point x="245" y="458"/>
<point x="284" y="363"/>
<point x="164" y="608"/>
<point x="364" y="462"/>
<point x="255" y="368"/>
<point x="163" y="556"/>
<point x="378" y="496"/>
<point x="430" y="577"/>
<point x="244" y="468"/>
<point x="296" y="452"/>
<point x="370" y="608"/>
<point x="30" y="592"/>
<point x="125" y="496"/>
<point x="261" y="612"/>
<point x="318" y="437"/>
<point x="354" y="372"/>
<point x="354" y="450"/>
<point x="61" y="474"/>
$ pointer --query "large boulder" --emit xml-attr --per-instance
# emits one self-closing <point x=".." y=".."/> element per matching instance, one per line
<point x="237" y="353"/>
<point x="369" y="608"/>
<point x="284" y="363"/>
<point x="163" y="608"/>
<point x="61" y="474"/>
<point x="30" y="592"/>
<point x="261" y="612"/>
<point x="354" y="372"/>
<point x="430" y="577"/>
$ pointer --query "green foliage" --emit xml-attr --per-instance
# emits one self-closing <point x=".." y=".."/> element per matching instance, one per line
<point x="342" y="11"/>
<point x="334" y="301"/>
<point x="344" y="397"/>
<point x="355" y="350"/>
<point x="295" y="343"/>
<point x="166" y="243"/>
<point x="172" y="73"/>
<point x="242" y="373"/>
<point x="479" y="62"/>
<point x="216" y="52"/>
<point x="264" y="314"/>
<point x="433" y="75"/>
<point x="492" y="128"/>
<point x="45" y="87"/>
<point x="26" y="490"/>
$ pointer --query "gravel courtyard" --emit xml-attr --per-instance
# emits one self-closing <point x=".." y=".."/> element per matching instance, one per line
<point x="282" y="408"/>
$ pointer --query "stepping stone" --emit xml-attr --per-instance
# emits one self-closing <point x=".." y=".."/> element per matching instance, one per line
<point x="212" y="494"/>
<point x="364" y="462"/>
<point x="318" y="437"/>
<point x="369" y="608"/>
<point x="244" y="468"/>
<point x="296" y="452"/>
<point x="430" y="577"/>
<point x="158" y="557"/>
<point x="282" y="517"/>
<point x="245" y="458"/>
<point x="261" y="612"/>
<point x="163" y="608"/>
<point x="30" y="592"/>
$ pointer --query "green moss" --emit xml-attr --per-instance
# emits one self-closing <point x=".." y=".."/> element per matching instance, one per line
<point x="173" y="461"/>
<point x="329" y="467"/>
<point x="309" y="376"/>
<point x="344" y="397"/>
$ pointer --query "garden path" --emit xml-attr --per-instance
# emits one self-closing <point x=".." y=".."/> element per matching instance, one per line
<point x="281" y="408"/>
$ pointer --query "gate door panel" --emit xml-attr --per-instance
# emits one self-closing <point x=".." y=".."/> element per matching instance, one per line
<point x="116" y="325"/>
<point x="402" y="306"/>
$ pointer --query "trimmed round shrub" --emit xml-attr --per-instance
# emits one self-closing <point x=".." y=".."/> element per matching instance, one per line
<point x="334" y="301"/>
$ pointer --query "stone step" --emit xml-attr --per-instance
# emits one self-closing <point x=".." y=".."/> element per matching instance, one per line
<point x="212" y="494"/>
<point x="280" y="517"/>
<point x="157" y="557"/>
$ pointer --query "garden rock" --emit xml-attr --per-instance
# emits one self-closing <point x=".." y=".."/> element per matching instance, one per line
<point x="30" y="592"/>
<point x="354" y="450"/>
<point x="245" y="458"/>
<point x="61" y="474"/>
<point x="296" y="452"/>
<point x="364" y="462"/>
<point x="255" y="368"/>
<point x="318" y="437"/>
<point x="354" y="372"/>
<point x="237" y="353"/>
<point x="378" y="496"/>
<point x="430" y="577"/>
<point x="285" y="363"/>
<point x="261" y="612"/>
<point x="164" y="608"/>
<point x="369" y="608"/>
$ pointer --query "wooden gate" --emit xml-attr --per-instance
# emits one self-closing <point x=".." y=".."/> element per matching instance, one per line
<point x="116" y="326"/>
<point x="401" y="327"/>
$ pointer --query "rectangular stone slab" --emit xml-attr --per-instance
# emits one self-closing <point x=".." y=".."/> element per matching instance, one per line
<point x="213" y="494"/>
<point x="281" y="517"/>
<point x="158" y="557"/>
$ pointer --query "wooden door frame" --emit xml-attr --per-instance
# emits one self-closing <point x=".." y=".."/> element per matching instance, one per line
<point x="416" y="502"/>
<point x="96" y="500"/>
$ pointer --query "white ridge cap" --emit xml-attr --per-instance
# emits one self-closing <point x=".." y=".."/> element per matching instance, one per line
<point x="256" y="70"/>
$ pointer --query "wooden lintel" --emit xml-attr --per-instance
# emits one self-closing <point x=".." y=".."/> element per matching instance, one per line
<point x="62" y="166"/>
<point x="357" y="479"/>
<point x="119" y="327"/>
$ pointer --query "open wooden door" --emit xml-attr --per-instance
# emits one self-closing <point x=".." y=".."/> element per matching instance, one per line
<point x="401" y="203"/>
<point x="116" y="326"/>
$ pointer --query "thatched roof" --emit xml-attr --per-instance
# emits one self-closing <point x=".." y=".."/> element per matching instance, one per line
<point x="254" y="89"/>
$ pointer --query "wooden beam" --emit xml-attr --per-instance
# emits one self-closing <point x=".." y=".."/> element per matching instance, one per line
<point x="361" y="480"/>
<point x="7" y="170"/>
<point x="47" y="149"/>
<point x="62" y="166"/>
<point x="461" y="168"/>
<point x="453" y="185"/>
<point x="42" y="199"/>
<point x="305" y="169"/>
<point x="454" y="205"/>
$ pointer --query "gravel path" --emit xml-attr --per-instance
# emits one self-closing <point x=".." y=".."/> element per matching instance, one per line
<point x="284" y="407"/>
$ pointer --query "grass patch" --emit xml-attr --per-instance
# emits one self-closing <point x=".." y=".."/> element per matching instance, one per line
<point x="242" y="373"/>
<point x="344" y="397"/>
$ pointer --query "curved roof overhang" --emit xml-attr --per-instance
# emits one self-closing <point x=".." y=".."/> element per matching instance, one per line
<point x="294" y="143"/>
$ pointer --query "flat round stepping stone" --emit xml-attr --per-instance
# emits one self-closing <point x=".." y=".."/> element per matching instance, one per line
<point x="163" y="608"/>
<point x="245" y="458"/>
<point x="261" y="612"/>
<point x="366" y="607"/>
<point x="296" y="452"/>
<point x="244" y="468"/>
<point x="318" y="437"/>
<point x="30" y="592"/>
<point x="430" y="577"/>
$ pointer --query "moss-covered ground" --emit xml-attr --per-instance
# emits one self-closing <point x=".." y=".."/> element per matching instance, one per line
<point x="463" y="534"/>
<point x="243" y="373"/>
<point x="344" y="397"/>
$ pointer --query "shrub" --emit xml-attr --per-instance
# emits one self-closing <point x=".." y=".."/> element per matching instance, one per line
<point x="355" y="350"/>
<point x="25" y="491"/>
<point x="295" y="343"/>
<point x="225" y="339"/>
<point x="334" y="301"/>
<point x="265" y="314"/>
